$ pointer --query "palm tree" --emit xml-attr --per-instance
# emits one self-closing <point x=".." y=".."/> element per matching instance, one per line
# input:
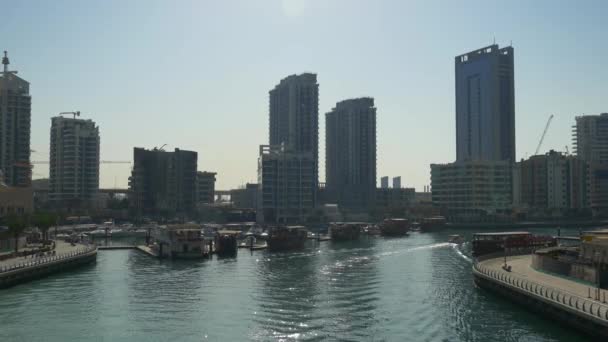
<point x="16" y="225"/>
<point x="44" y="221"/>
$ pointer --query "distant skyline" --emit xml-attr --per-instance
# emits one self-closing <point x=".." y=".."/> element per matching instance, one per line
<point x="196" y="74"/>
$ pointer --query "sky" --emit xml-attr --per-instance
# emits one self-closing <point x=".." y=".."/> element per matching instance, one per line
<point x="196" y="74"/>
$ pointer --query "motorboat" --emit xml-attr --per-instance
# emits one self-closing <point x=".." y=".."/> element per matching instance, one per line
<point x="457" y="239"/>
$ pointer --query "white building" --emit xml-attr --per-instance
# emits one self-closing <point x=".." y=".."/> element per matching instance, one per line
<point x="74" y="160"/>
<point x="472" y="189"/>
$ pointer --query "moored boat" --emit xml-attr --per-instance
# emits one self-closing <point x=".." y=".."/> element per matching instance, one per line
<point x="287" y="238"/>
<point x="434" y="223"/>
<point x="394" y="227"/>
<point x="488" y="243"/>
<point x="457" y="239"/>
<point x="344" y="231"/>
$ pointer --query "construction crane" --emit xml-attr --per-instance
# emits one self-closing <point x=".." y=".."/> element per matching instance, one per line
<point x="100" y="162"/>
<point x="542" y="137"/>
<point x="77" y="113"/>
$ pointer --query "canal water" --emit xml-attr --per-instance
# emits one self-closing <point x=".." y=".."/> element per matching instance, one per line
<point x="417" y="288"/>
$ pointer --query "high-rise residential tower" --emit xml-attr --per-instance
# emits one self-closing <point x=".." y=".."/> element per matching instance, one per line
<point x="591" y="145"/>
<point x="15" y="117"/>
<point x="74" y="160"/>
<point x="485" y="105"/>
<point x="294" y="115"/>
<point x="163" y="183"/>
<point x="350" y="158"/>
<point x="288" y="168"/>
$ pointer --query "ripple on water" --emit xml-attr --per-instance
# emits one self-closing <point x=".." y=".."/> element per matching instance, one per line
<point x="417" y="288"/>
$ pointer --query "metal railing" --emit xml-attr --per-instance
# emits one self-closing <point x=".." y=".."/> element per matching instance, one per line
<point x="572" y="301"/>
<point x="47" y="259"/>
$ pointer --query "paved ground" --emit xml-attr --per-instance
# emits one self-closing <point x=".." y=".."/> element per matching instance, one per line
<point x="61" y="248"/>
<point x="521" y="267"/>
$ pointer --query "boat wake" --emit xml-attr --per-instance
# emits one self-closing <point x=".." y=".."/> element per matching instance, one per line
<point x="435" y="245"/>
<point x="458" y="250"/>
<point x="456" y="247"/>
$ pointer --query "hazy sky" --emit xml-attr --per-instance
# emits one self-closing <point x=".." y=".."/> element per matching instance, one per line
<point x="196" y="74"/>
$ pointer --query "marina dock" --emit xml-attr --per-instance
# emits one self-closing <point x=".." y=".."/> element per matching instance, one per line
<point x="575" y="303"/>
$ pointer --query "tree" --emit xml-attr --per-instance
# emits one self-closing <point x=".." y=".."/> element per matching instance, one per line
<point x="44" y="221"/>
<point x="16" y="225"/>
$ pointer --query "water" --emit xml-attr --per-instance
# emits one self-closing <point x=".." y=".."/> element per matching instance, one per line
<point x="417" y="288"/>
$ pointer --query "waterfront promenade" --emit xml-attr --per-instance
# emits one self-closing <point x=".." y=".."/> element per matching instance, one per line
<point x="62" y="248"/>
<point x="573" y="302"/>
<point x="20" y="269"/>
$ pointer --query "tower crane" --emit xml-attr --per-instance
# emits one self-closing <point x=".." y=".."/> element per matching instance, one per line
<point x="100" y="162"/>
<point x="542" y="137"/>
<point x="77" y="113"/>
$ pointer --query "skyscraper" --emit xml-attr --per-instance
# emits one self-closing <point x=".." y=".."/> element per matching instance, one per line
<point x="591" y="138"/>
<point x="15" y="117"/>
<point x="74" y="159"/>
<point x="350" y="158"/>
<point x="591" y="145"/>
<point x="288" y="168"/>
<point x="163" y="182"/>
<point x="294" y="115"/>
<point x="485" y="105"/>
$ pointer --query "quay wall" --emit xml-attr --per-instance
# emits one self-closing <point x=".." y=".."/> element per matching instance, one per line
<point x="579" y="271"/>
<point x="35" y="269"/>
<point x="583" y="314"/>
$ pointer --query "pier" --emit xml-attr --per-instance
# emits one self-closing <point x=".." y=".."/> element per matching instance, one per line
<point x="575" y="303"/>
<point x="21" y="269"/>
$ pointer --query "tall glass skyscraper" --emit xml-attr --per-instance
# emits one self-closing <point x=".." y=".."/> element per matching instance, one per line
<point x="350" y="158"/>
<point x="15" y="117"/>
<point x="485" y="105"/>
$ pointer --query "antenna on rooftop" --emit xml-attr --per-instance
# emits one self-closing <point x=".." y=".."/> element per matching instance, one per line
<point x="6" y="62"/>
<point x="494" y="42"/>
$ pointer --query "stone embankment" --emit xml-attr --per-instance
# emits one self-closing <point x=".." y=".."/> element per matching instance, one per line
<point x="18" y="270"/>
<point x="580" y="305"/>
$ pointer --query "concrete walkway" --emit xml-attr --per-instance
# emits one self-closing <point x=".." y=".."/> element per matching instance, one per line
<point x="521" y="267"/>
<point x="61" y="248"/>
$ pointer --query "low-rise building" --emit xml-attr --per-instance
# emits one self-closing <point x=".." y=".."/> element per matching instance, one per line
<point x="15" y="200"/>
<point x="550" y="183"/>
<point x="395" y="197"/>
<point x="287" y="185"/>
<point x="472" y="190"/>
<point x="245" y="197"/>
<point x="205" y="187"/>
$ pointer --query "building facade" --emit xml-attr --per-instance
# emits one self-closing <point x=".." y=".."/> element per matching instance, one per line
<point x="205" y="187"/>
<point x="286" y="179"/>
<point x="384" y="182"/>
<point x="74" y="160"/>
<point x="472" y="190"/>
<point x="395" y="198"/>
<point x="590" y="140"/>
<point x="294" y="116"/>
<point x="15" y="200"/>
<point x="15" y="127"/>
<point x="350" y="158"/>
<point x="550" y="182"/>
<point x="485" y="105"/>
<point x="163" y="183"/>
<point x="246" y="197"/>
<point x="288" y="169"/>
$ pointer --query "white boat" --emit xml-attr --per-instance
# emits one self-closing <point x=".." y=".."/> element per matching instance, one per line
<point x="457" y="239"/>
<point x="99" y="232"/>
